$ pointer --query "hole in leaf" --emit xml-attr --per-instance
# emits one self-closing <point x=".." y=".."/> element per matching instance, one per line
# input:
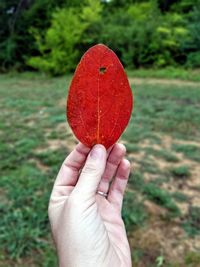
<point x="102" y="70"/>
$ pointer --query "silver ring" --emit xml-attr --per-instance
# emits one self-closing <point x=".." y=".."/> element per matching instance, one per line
<point x="102" y="194"/>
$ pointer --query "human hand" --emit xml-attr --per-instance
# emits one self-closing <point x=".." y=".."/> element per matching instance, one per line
<point x="87" y="228"/>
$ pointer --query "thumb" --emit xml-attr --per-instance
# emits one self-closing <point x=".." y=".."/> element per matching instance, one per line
<point x="92" y="172"/>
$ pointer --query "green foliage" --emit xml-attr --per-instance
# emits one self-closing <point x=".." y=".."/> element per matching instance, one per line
<point x="57" y="33"/>
<point x="193" y="60"/>
<point x="168" y="39"/>
<point x="140" y="40"/>
<point x="129" y="34"/>
<point x="59" y="53"/>
<point x="16" y="18"/>
<point x="140" y="11"/>
<point x="183" y="6"/>
<point x="193" y="46"/>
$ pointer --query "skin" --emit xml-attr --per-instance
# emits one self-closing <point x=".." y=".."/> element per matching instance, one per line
<point x="87" y="228"/>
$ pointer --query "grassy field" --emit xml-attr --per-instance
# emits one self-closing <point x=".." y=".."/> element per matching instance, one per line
<point x="162" y="204"/>
<point x="167" y="73"/>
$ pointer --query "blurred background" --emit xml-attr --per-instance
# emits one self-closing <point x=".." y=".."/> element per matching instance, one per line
<point x="51" y="36"/>
<point x="158" y="42"/>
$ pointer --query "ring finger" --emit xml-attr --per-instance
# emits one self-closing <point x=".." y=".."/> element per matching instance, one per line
<point x="117" y="153"/>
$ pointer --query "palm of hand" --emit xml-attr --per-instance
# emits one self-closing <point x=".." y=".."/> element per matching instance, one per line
<point x="89" y="223"/>
<point x="114" y="225"/>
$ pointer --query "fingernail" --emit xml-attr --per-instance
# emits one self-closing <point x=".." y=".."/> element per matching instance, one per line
<point x="97" y="152"/>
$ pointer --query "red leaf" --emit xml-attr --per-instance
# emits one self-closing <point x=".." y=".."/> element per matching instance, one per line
<point x="100" y="99"/>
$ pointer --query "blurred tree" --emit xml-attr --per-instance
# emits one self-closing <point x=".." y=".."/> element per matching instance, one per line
<point x="16" y="17"/>
<point x="59" y="53"/>
<point x="128" y="33"/>
<point x="120" y="3"/>
<point x="193" y="45"/>
<point x="169" y="38"/>
<point x="165" y="5"/>
<point x="142" y="32"/>
<point x="184" y="6"/>
<point x="8" y="11"/>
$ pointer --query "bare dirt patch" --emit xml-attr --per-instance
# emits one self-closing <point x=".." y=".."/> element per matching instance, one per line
<point x="62" y="103"/>
<point x="39" y="165"/>
<point x="160" y="237"/>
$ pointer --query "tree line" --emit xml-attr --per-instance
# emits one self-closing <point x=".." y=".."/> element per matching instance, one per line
<point x="51" y="35"/>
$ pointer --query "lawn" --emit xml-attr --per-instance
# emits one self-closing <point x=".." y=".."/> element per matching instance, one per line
<point x="162" y="203"/>
<point x="167" y="73"/>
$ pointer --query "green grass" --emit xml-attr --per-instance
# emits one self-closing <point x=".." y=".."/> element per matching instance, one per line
<point x="149" y="166"/>
<point x="181" y="171"/>
<point x="162" y="154"/>
<point x="164" y="109"/>
<point x="136" y="180"/>
<point x="180" y="197"/>
<point x="152" y="192"/>
<point x="24" y="223"/>
<point x="167" y="73"/>
<point x="51" y="157"/>
<point x="132" y="148"/>
<point x="189" y="151"/>
<point x="192" y="258"/>
<point x="161" y="197"/>
<point x="31" y="112"/>
<point x="191" y="222"/>
<point x="29" y="108"/>
<point x="133" y="212"/>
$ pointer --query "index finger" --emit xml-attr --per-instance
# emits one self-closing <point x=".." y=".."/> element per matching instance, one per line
<point x="70" y="168"/>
